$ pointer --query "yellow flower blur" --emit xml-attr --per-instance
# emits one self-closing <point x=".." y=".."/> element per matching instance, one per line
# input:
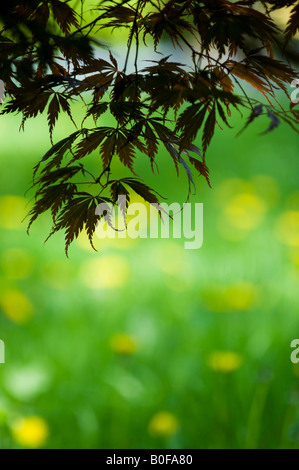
<point x="244" y="204"/>
<point x="295" y="259"/>
<point x="122" y="343"/>
<point x="267" y="188"/>
<point x="292" y="201"/>
<point x="245" y="211"/>
<point x="16" y="263"/>
<point x="12" y="212"/>
<point x="58" y="274"/>
<point x="231" y="187"/>
<point x="16" y="306"/>
<point x="287" y="228"/>
<point x="224" y="361"/>
<point x="31" y="431"/>
<point x="107" y="272"/>
<point x="163" y="424"/>
<point x="171" y="258"/>
<point x="240" y="296"/>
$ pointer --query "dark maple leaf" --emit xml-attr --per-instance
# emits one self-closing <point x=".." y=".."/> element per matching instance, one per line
<point x="48" y="60"/>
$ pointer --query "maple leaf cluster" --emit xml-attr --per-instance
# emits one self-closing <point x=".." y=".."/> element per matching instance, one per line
<point x="49" y="58"/>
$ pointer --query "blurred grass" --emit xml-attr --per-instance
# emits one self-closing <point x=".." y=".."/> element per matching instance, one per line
<point x="145" y="344"/>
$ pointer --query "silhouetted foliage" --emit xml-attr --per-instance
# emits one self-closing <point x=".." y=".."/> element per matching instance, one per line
<point x="49" y="58"/>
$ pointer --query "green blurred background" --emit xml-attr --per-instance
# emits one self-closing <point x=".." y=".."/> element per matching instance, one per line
<point x="144" y="344"/>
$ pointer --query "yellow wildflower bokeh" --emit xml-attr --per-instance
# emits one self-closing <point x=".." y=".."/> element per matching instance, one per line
<point x="31" y="431"/>
<point x="16" y="306"/>
<point x="292" y="201"/>
<point x="170" y="258"/>
<point x="122" y="343"/>
<point x="224" y="361"/>
<point x="163" y="424"/>
<point x="231" y="187"/>
<point x="106" y="243"/>
<point x="107" y="272"/>
<point x="12" y="212"/>
<point x="294" y="256"/>
<point x="287" y="228"/>
<point x="244" y="205"/>
<point x="267" y="188"/>
<point x="245" y="211"/>
<point x="58" y="274"/>
<point x="240" y="296"/>
<point x="16" y="263"/>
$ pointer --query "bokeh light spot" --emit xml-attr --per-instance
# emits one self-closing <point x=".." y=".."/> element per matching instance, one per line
<point x="287" y="228"/>
<point x="12" y="212"/>
<point x="163" y="424"/>
<point x="107" y="272"/>
<point x="16" y="263"/>
<point x="31" y="431"/>
<point x="245" y="211"/>
<point x="224" y="361"/>
<point x="16" y="306"/>
<point x="58" y="274"/>
<point x="122" y="343"/>
<point x="240" y="296"/>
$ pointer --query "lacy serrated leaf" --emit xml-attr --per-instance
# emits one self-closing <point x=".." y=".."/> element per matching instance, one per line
<point x="125" y="150"/>
<point x="222" y="114"/>
<point x="53" y="112"/>
<point x="151" y="143"/>
<point x="77" y="212"/>
<point x="189" y="123"/>
<point x="202" y="168"/>
<point x="293" y="22"/>
<point x="91" y="142"/>
<point x="64" y="15"/>
<point x="107" y="149"/>
<point x="256" y="112"/>
<point x="209" y="128"/>
<point x="274" y="122"/>
<point x="62" y="146"/>
<point x="189" y="174"/>
<point x="118" y="189"/>
<point x="51" y="198"/>
<point x="142" y="190"/>
<point x="65" y="106"/>
<point x="60" y="174"/>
